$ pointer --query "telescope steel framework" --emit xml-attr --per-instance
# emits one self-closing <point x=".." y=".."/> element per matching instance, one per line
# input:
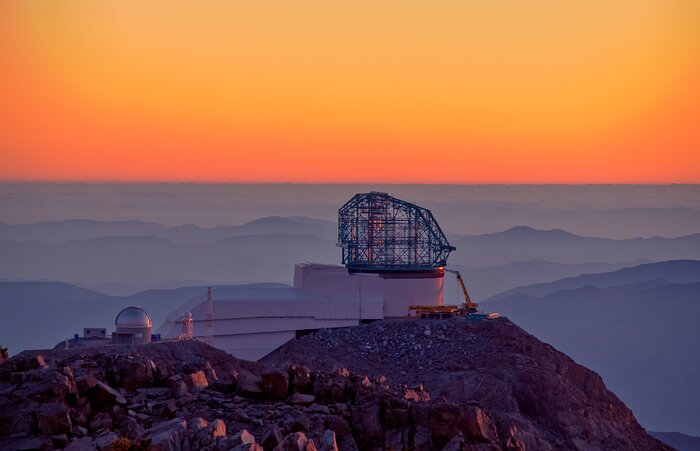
<point x="379" y="232"/>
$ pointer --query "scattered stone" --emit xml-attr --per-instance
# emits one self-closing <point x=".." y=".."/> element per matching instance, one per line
<point x="275" y="383"/>
<point x="249" y="384"/>
<point x="104" y="442"/>
<point x="196" y="381"/>
<point x="243" y="437"/>
<point x="271" y="438"/>
<point x="218" y="429"/>
<point x="103" y="396"/>
<point x="54" y="419"/>
<point x="34" y="362"/>
<point x="300" y="398"/>
<point x="169" y="409"/>
<point x="372" y="398"/>
<point x="167" y="436"/>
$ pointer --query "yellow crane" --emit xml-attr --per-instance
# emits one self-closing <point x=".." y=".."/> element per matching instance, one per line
<point x="468" y="305"/>
<point x="447" y="311"/>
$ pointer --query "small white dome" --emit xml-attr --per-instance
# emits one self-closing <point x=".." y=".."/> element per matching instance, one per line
<point x="188" y="315"/>
<point x="133" y="317"/>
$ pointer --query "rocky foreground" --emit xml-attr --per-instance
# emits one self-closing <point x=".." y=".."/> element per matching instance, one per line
<point x="392" y="385"/>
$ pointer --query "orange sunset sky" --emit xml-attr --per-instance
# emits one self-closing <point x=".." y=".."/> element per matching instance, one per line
<point x="441" y="91"/>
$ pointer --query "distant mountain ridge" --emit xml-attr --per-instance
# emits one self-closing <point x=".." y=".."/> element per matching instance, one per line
<point x="146" y="260"/>
<point x="80" y="229"/>
<point x="681" y="442"/>
<point x="560" y="246"/>
<point x="636" y="326"/>
<point x="121" y="254"/>
<point x="675" y="271"/>
<point x="40" y="314"/>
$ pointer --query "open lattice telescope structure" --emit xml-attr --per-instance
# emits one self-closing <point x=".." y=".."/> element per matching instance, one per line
<point x="378" y="232"/>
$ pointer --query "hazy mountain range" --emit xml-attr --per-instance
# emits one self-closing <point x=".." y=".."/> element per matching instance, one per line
<point x="611" y="211"/>
<point x="37" y="315"/>
<point x="127" y="256"/>
<point x="637" y="327"/>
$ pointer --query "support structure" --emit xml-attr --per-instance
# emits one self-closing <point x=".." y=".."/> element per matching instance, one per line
<point x="187" y="328"/>
<point x="380" y="233"/>
<point x="209" y="321"/>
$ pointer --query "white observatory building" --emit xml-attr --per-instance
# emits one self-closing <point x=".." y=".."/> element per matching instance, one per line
<point x="393" y="255"/>
<point x="133" y="326"/>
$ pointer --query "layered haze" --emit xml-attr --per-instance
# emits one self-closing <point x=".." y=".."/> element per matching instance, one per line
<point x="609" y="274"/>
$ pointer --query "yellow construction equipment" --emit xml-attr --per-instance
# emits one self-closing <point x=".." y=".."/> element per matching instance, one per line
<point x="446" y="311"/>
<point x="468" y="305"/>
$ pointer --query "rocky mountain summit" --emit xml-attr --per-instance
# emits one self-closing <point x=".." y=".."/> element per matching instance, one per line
<point x="391" y="385"/>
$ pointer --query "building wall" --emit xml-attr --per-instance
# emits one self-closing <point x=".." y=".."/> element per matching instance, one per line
<point x="399" y="290"/>
<point x="138" y="335"/>
<point x="250" y="323"/>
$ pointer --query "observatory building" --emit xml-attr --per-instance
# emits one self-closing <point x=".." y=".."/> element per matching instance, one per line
<point x="133" y="326"/>
<point x="393" y="255"/>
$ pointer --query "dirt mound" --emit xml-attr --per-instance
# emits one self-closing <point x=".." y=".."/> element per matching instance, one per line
<point x="533" y="395"/>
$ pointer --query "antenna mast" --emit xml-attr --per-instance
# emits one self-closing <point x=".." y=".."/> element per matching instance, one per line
<point x="209" y="322"/>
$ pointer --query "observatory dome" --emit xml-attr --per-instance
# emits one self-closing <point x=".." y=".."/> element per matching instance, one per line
<point x="133" y="317"/>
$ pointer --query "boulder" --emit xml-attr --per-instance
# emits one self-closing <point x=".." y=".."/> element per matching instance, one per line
<point x="135" y="373"/>
<point x="319" y="408"/>
<point x="222" y="387"/>
<point x="302" y="399"/>
<point x="271" y="438"/>
<point x="44" y="384"/>
<point x="443" y="421"/>
<point x="178" y="388"/>
<point x="367" y="425"/>
<point x="249" y="384"/>
<point x="296" y="441"/>
<point x="169" y="409"/>
<point x="59" y="441"/>
<point x="329" y="443"/>
<point x="210" y="374"/>
<point x="131" y="428"/>
<point x="421" y="439"/>
<point x="17" y="443"/>
<point x="456" y="443"/>
<point x="298" y="423"/>
<point x="34" y="362"/>
<point x="17" y="417"/>
<point x="82" y="444"/>
<point x="103" y="397"/>
<point x="168" y="435"/>
<point x="197" y="424"/>
<point x="104" y="441"/>
<point x="217" y="428"/>
<point x="242" y="437"/>
<point x="100" y="421"/>
<point x="85" y="382"/>
<point x="300" y="378"/>
<point x="478" y="426"/>
<point x="54" y="419"/>
<point x="275" y="383"/>
<point x="196" y="381"/>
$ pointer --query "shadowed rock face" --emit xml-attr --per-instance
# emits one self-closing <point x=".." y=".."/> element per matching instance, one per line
<point x="508" y="386"/>
<point x="394" y="385"/>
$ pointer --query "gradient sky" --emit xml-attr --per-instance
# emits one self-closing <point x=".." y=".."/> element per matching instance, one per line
<point x="449" y="91"/>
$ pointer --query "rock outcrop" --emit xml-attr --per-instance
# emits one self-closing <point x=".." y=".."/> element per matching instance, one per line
<point x="393" y="385"/>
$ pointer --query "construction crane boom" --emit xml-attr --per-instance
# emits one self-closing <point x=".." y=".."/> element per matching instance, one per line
<point x="468" y="304"/>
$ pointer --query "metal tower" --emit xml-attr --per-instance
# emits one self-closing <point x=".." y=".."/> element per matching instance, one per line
<point x="209" y="322"/>
<point x="380" y="233"/>
<point x="187" y="328"/>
